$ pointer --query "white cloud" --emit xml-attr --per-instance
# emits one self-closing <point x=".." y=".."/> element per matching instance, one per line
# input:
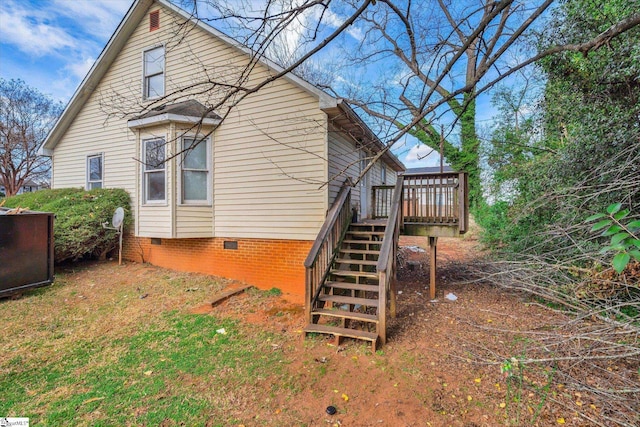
<point x="81" y="68"/>
<point x="97" y="17"/>
<point x="421" y="156"/>
<point x="356" y="33"/>
<point x="333" y="20"/>
<point x="55" y="26"/>
<point x="418" y="152"/>
<point x="27" y="30"/>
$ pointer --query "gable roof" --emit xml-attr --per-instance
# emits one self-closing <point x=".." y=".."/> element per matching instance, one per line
<point x="123" y="32"/>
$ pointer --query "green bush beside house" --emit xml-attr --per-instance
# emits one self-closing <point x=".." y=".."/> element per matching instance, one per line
<point x="78" y="231"/>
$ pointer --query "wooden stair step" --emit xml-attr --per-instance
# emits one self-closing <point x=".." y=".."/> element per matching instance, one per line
<point x="382" y="223"/>
<point x="356" y="261"/>
<point x="359" y="251"/>
<point x="349" y="273"/>
<point x="341" y="332"/>
<point x="372" y="318"/>
<point x="365" y="233"/>
<point x="352" y="286"/>
<point x="343" y="299"/>
<point x="363" y="242"/>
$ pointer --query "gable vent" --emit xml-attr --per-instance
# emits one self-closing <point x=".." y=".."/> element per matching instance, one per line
<point x="154" y="20"/>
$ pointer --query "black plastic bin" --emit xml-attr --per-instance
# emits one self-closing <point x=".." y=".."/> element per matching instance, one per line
<point x="26" y="251"/>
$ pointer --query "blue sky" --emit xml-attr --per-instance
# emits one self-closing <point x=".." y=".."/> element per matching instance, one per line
<point x="51" y="44"/>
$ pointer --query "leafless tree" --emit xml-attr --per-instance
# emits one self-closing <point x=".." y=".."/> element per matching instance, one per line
<point x="419" y="63"/>
<point x="26" y="115"/>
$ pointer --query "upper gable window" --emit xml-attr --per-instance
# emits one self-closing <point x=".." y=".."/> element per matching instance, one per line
<point x="154" y="73"/>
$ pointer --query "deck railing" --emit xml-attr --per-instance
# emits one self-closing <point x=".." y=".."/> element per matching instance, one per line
<point x="428" y="199"/>
<point x="325" y="248"/>
<point x="381" y="200"/>
<point x="432" y="198"/>
<point x="386" y="266"/>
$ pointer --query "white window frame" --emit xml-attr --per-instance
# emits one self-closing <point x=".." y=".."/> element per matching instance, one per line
<point x="89" y="182"/>
<point x="146" y="172"/>
<point x="207" y="142"/>
<point x="145" y="76"/>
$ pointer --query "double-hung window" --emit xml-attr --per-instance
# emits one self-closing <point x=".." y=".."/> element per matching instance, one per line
<point x="154" y="177"/>
<point x="195" y="171"/>
<point x="94" y="171"/>
<point x="154" y="73"/>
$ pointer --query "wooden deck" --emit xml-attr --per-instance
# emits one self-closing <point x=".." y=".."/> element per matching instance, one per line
<point x="433" y="204"/>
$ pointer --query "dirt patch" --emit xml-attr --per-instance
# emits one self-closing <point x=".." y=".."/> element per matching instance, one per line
<point x="441" y="365"/>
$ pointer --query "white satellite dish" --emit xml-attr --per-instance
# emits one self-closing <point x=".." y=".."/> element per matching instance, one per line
<point x="117" y="221"/>
<point x="118" y="217"/>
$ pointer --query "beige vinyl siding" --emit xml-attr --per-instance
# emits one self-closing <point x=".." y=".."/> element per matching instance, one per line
<point x="269" y="156"/>
<point x="194" y="221"/>
<point x="344" y="156"/>
<point x="343" y="161"/>
<point x="377" y="174"/>
<point x="392" y="176"/>
<point x="87" y="135"/>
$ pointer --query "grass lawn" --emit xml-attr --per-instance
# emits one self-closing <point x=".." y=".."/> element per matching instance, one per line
<point x="94" y="353"/>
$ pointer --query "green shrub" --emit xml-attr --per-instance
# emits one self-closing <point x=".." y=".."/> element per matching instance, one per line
<point x="78" y="231"/>
<point x="624" y="235"/>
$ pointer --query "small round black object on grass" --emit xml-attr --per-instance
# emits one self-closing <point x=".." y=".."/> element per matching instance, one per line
<point x="331" y="410"/>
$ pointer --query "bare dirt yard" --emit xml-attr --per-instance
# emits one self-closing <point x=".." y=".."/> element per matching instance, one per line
<point x="98" y="348"/>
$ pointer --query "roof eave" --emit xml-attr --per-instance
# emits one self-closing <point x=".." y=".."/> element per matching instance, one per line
<point x="168" y="118"/>
<point x="345" y="109"/>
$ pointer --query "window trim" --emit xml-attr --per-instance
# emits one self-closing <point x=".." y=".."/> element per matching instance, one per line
<point x="145" y="201"/>
<point x="181" y="199"/>
<point x="88" y="180"/>
<point x="144" y="72"/>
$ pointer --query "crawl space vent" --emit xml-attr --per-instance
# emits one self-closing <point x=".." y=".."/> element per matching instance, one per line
<point x="154" y="20"/>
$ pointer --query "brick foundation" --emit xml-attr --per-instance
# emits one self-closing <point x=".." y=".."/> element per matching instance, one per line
<point x="263" y="263"/>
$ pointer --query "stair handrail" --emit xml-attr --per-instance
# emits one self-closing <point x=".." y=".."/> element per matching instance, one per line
<point x="386" y="266"/>
<point x="393" y="225"/>
<point x="331" y="233"/>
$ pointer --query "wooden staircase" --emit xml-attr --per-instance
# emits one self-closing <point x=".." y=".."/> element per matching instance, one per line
<point x="348" y="304"/>
<point x="350" y="282"/>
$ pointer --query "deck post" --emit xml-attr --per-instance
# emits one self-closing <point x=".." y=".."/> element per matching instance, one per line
<point x="308" y="294"/>
<point x="433" y="241"/>
<point x="382" y="310"/>
<point x="392" y="297"/>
